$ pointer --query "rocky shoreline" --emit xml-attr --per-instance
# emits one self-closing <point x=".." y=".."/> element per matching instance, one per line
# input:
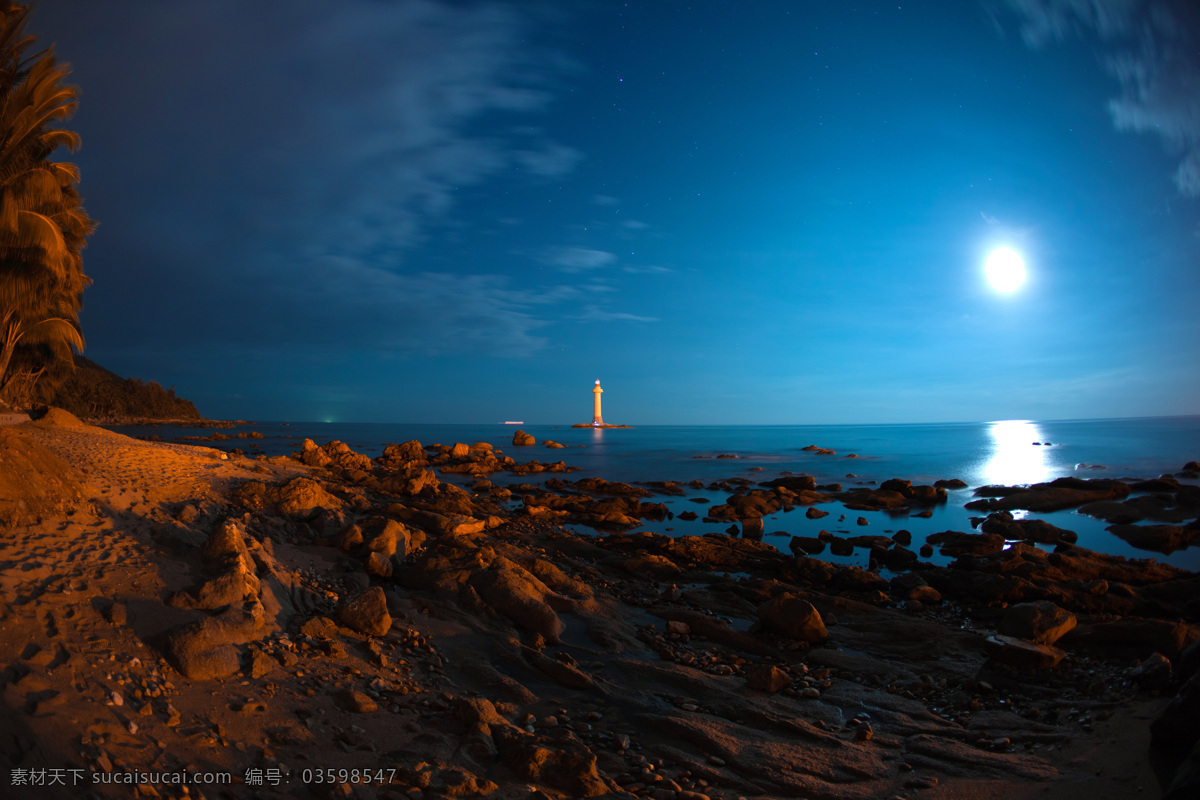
<point x="290" y="620"/>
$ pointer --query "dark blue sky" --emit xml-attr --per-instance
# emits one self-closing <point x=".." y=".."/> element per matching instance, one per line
<point x="768" y="212"/>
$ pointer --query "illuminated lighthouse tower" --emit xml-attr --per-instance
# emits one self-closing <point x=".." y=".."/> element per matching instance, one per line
<point x="596" y="392"/>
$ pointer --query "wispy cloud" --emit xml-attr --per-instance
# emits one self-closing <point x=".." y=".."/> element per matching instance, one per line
<point x="551" y="161"/>
<point x="428" y="313"/>
<point x="323" y="145"/>
<point x="596" y="314"/>
<point x="1153" y="52"/>
<point x="647" y="269"/>
<point x="578" y="259"/>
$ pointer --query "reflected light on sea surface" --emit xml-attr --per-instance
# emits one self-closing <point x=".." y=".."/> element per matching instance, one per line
<point x="597" y="435"/>
<point x="1014" y="457"/>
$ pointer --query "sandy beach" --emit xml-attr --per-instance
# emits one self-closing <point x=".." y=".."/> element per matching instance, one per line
<point x="333" y="626"/>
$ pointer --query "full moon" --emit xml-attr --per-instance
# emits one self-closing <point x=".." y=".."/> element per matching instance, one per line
<point x="1005" y="269"/>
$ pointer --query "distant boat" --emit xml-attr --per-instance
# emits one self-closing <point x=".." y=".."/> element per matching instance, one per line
<point x="510" y="422"/>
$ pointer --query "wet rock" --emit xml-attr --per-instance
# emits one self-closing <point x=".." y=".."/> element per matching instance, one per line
<point x="1158" y="538"/>
<point x="523" y="439"/>
<point x="367" y="613"/>
<point x="1028" y="530"/>
<point x="807" y="545"/>
<point x="957" y="543"/>
<point x="793" y="617"/>
<point x="795" y="483"/>
<point x="1053" y="496"/>
<point x="1042" y="622"/>
<point x="752" y="528"/>
<point x="1111" y="511"/>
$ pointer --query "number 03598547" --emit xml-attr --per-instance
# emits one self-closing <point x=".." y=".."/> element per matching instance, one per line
<point x="347" y="775"/>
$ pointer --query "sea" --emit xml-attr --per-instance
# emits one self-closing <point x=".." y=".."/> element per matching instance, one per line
<point x="1008" y="452"/>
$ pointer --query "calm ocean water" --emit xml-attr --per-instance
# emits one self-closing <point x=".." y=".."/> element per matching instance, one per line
<point x="1008" y="452"/>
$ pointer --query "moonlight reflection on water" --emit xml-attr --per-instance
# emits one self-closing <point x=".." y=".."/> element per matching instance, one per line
<point x="1014" y="457"/>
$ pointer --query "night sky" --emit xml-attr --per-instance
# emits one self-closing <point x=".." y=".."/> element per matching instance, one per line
<point x="760" y="212"/>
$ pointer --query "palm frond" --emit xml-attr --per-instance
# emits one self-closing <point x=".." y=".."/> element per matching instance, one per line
<point x="55" y="330"/>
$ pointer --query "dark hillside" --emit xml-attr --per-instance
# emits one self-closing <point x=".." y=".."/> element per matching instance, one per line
<point x="90" y="391"/>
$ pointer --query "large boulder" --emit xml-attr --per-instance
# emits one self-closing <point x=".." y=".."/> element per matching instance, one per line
<point x="1041" y="622"/>
<point x="520" y="596"/>
<point x="303" y="498"/>
<point x="207" y="649"/>
<point x="389" y="538"/>
<point x="523" y="439"/>
<point x="409" y="451"/>
<point x="367" y="613"/>
<point x="312" y="455"/>
<point x="793" y="617"/>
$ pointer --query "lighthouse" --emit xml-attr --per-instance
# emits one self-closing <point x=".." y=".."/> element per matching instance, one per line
<point x="596" y="392"/>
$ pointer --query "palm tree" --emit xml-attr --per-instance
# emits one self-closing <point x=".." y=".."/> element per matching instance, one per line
<point x="43" y="226"/>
